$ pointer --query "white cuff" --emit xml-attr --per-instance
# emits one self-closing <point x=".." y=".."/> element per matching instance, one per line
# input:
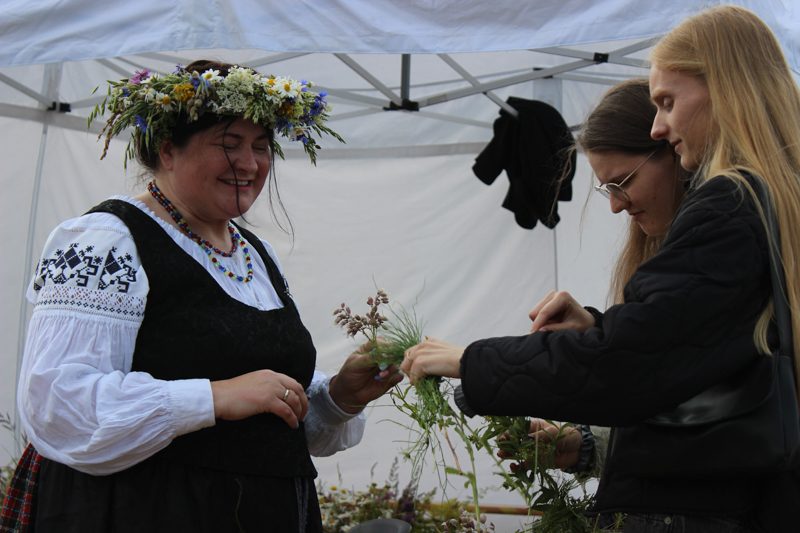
<point x="191" y="404"/>
<point x="326" y="409"/>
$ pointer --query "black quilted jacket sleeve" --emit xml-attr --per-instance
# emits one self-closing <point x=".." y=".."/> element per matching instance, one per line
<point x="686" y="323"/>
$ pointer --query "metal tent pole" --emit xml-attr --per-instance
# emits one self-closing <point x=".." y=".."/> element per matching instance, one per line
<point x="551" y="92"/>
<point x="52" y="80"/>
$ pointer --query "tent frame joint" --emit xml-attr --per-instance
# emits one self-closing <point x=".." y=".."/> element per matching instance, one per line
<point x="405" y="105"/>
<point x="61" y="107"/>
<point x="600" y="57"/>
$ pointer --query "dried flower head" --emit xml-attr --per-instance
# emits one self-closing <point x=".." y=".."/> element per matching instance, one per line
<point x="368" y="324"/>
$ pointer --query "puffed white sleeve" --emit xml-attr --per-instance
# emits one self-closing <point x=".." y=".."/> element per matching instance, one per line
<point x="78" y="401"/>
<point x="329" y="429"/>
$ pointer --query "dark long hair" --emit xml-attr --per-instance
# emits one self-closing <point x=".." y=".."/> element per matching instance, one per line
<point x="621" y="122"/>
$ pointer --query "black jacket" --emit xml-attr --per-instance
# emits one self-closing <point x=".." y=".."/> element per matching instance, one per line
<point x="533" y="149"/>
<point x="686" y="324"/>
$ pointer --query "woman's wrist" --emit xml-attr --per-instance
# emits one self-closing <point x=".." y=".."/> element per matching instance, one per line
<point x="461" y="402"/>
<point x="586" y="455"/>
<point x="597" y="315"/>
<point x="348" y="405"/>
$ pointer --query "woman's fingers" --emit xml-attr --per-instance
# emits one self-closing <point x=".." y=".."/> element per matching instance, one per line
<point x="549" y="310"/>
<point x="296" y="398"/>
<point x="538" y="307"/>
<point x="432" y="357"/>
<point x="560" y="311"/>
<point x="262" y="391"/>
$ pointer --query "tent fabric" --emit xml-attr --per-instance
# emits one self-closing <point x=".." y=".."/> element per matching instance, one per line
<point x="397" y="207"/>
<point x="46" y="31"/>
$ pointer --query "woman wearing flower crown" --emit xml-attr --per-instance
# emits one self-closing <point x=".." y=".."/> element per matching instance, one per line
<point x="167" y="377"/>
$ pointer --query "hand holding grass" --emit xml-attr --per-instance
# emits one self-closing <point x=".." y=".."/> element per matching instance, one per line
<point x="543" y="433"/>
<point x="361" y="380"/>
<point x="432" y="357"/>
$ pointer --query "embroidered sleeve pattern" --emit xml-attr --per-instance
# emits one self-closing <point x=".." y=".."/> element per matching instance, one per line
<point x="79" y="402"/>
<point x="91" y="269"/>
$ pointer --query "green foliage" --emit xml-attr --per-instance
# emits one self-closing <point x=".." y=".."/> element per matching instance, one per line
<point x="388" y="340"/>
<point x="547" y="492"/>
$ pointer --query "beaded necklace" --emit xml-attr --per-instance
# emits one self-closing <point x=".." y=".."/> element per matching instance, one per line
<point x="209" y="248"/>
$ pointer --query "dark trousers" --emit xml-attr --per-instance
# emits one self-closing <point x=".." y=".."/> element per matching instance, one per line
<point x="665" y="523"/>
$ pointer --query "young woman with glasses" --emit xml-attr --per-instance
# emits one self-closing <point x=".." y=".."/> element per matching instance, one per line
<point x="693" y="311"/>
<point x="638" y="175"/>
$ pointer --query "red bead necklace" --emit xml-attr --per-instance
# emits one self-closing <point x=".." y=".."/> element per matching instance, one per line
<point x="209" y="248"/>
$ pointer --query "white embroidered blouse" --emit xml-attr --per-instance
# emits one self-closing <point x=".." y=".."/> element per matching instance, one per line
<point x="79" y="402"/>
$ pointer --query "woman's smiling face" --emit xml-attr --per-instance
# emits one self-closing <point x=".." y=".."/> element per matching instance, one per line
<point x="220" y="172"/>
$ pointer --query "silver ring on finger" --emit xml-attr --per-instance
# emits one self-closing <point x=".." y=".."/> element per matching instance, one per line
<point x="285" y="394"/>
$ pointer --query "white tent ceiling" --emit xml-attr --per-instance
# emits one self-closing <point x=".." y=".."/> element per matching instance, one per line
<point x="396" y="206"/>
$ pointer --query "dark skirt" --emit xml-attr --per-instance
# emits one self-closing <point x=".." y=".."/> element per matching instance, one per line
<point x="156" y="496"/>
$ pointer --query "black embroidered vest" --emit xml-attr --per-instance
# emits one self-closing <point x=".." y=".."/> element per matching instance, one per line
<point x="193" y="329"/>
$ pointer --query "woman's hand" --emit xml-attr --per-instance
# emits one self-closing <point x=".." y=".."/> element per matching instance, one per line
<point x="432" y="357"/>
<point x="262" y="391"/>
<point x="567" y="441"/>
<point x="360" y="381"/>
<point x="559" y="311"/>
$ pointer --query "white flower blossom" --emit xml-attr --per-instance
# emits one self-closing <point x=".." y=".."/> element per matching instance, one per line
<point x="164" y="100"/>
<point x="211" y="76"/>
<point x="288" y="87"/>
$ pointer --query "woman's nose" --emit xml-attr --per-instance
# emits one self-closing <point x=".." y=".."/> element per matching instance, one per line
<point x="659" y="129"/>
<point x="618" y="203"/>
<point x="247" y="160"/>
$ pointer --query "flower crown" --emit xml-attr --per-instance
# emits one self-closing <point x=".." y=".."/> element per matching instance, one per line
<point x="153" y="105"/>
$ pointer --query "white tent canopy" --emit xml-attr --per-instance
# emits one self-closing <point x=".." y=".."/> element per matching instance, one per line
<point x="397" y="206"/>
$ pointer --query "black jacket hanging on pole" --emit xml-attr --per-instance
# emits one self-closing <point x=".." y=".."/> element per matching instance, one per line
<point x="532" y="149"/>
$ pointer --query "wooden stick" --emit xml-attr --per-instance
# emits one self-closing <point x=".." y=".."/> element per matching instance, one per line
<point x="494" y="509"/>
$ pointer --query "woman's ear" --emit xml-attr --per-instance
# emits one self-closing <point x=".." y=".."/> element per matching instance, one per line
<point x="166" y="154"/>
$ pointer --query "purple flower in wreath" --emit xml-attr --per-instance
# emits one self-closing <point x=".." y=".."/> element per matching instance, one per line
<point x="139" y="76"/>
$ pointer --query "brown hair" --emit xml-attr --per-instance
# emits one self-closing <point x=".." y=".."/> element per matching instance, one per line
<point x="621" y="122"/>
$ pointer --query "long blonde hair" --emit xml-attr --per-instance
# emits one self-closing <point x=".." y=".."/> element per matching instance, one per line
<point x="621" y="122"/>
<point x="755" y="113"/>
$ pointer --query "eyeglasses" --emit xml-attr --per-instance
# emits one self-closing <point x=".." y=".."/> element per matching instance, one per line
<point x="617" y="190"/>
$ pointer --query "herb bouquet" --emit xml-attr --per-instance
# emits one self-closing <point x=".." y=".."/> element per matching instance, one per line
<point x="546" y="493"/>
<point x="387" y="342"/>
